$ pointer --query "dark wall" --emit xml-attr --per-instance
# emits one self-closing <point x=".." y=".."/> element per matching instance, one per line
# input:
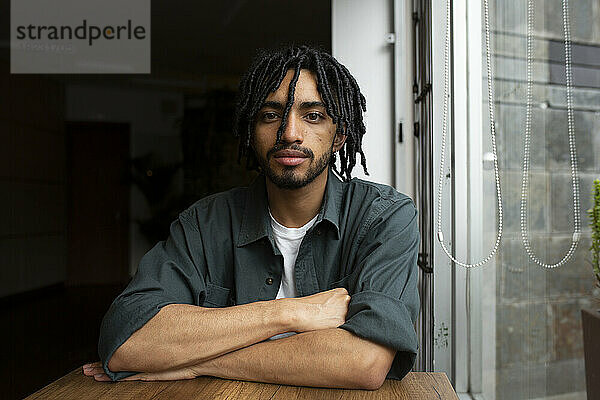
<point x="32" y="183"/>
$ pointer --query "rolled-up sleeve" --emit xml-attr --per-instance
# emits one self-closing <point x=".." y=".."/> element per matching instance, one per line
<point x="170" y="273"/>
<point x="384" y="301"/>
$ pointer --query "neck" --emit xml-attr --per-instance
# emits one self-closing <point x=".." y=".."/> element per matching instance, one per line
<point x="293" y="208"/>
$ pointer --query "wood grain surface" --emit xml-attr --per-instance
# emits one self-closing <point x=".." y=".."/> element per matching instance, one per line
<point x="76" y="386"/>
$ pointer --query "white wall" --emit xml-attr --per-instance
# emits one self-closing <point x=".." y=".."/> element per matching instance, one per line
<point x="359" y="29"/>
<point x="152" y="130"/>
<point x="443" y="274"/>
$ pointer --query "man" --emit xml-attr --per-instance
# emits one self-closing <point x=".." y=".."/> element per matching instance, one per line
<point x="324" y="268"/>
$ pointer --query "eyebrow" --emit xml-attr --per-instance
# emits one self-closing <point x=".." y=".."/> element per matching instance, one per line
<point x="311" y="104"/>
<point x="303" y="106"/>
<point x="272" y="104"/>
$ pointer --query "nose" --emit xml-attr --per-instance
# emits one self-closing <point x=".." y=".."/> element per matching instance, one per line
<point x="293" y="130"/>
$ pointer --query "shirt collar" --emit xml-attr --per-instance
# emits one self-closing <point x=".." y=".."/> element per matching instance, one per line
<point x="330" y="211"/>
<point x="255" y="220"/>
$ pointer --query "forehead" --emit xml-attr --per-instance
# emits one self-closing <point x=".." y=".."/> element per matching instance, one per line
<point x="306" y="88"/>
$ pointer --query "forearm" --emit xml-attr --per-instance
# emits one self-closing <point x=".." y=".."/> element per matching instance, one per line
<point x="182" y="335"/>
<point x="323" y="358"/>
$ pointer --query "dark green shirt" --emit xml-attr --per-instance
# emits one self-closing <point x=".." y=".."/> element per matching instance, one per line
<point x="221" y="252"/>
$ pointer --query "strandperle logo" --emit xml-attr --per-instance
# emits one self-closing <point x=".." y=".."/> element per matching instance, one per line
<point x="85" y="31"/>
<point x="80" y="36"/>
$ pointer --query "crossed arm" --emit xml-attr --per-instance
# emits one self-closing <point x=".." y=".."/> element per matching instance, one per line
<point x="184" y="341"/>
<point x="320" y="355"/>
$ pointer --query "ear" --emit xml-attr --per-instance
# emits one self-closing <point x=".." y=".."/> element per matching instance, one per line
<point x="338" y="141"/>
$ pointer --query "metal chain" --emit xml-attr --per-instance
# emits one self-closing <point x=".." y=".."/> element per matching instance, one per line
<point x="440" y="235"/>
<point x="571" y="133"/>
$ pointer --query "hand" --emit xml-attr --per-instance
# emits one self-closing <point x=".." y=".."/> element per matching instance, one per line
<point x="324" y="310"/>
<point x="95" y="370"/>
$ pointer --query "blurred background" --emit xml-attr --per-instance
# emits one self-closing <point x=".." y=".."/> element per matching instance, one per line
<point x="93" y="168"/>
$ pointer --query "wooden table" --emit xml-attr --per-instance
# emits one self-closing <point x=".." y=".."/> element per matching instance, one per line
<point x="75" y="385"/>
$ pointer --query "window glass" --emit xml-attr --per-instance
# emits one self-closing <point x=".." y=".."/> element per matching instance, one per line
<point x="538" y="343"/>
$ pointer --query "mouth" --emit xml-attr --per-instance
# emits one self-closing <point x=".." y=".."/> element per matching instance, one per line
<point x="290" y="157"/>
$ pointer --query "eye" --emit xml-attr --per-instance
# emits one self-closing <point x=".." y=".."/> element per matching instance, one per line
<point x="269" y="116"/>
<point x="314" y="116"/>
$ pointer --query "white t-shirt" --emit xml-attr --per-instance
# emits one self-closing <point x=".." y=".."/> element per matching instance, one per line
<point x="288" y="242"/>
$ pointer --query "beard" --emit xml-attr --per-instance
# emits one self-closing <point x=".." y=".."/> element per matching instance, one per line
<point x="289" y="178"/>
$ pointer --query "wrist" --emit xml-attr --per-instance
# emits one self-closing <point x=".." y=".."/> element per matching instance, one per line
<point x="286" y="314"/>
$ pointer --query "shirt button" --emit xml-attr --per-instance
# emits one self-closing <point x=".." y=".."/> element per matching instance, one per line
<point x="269" y="281"/>
<point x="318" y="232"/>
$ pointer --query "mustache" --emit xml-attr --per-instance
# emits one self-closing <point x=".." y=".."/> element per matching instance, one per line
<point x="295" y="147"/>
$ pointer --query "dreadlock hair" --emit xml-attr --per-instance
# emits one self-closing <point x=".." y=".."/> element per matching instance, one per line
<point x="341" y="95"/>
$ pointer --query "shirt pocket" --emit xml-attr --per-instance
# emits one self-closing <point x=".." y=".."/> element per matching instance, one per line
<point x="217" y="296"/>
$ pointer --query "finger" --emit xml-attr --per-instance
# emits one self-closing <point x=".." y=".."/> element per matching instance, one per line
<point x="102" y="378"/>
<point x="95" y="367"/>
<point x="89" y="366"/>
<point x="87" y="370"/>
<point x="92" y="364"/>
<point x="93" y="371"/>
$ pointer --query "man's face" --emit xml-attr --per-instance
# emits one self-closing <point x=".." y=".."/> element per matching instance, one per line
<point x="307" y="142"/>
